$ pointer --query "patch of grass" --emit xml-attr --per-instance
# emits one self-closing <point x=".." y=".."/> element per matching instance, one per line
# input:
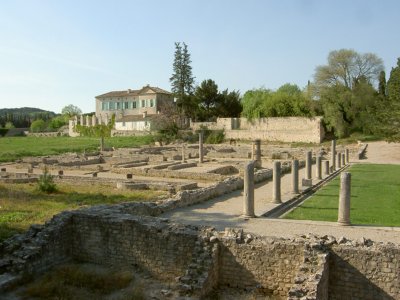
<point x="375" y="197"/>
<point x="23" y="204"/>
<point x="13" y="148"/>
<point x="75" y="281"/>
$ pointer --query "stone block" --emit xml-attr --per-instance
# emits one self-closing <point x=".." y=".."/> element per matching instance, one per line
<point x="306" y="182"/>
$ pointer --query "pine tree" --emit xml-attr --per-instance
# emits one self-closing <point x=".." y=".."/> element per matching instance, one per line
<point x="182" y="80"/>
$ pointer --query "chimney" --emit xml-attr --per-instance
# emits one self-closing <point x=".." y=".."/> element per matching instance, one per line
<point x="144" y="114"/>
<point x="129" y="90"/>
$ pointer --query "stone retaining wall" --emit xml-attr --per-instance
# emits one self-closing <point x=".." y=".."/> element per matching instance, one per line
<point x="200" y="260"/>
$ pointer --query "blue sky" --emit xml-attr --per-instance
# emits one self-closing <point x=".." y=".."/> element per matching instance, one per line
<point x="55" y="53"/>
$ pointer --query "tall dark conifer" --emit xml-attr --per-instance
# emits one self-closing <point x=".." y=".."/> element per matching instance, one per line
<point x="182" y="80"/>
<point x="382" y="84"/>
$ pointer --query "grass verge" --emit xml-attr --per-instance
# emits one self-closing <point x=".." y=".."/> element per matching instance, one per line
<point x="13" y="148"/>
<point x="23" y="204"/>
<point x="375" y="198"/>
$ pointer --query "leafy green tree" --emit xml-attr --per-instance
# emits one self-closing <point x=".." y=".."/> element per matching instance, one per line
<point x="71" y="110"/>
<point x="345" y="66"/>
<point x="287" y="101"/>
<point x="182" y="80"/>
<point x="38" y="125"/>
<point x="9" y="125"/>
<point x="57" y="122"/>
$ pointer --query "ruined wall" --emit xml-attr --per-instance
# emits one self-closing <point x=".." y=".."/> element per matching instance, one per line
<point x="273" y="265"/>
<point x="131" y="240"/>
<point x="287" y="129"/>
<point x="364" y="272"/>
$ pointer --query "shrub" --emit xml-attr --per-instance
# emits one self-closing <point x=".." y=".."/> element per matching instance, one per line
<point x="215" y="137"/>
<point x="46" y="183"/>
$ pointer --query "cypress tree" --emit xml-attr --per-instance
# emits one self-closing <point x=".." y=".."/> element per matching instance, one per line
<point x="382" y="84"/>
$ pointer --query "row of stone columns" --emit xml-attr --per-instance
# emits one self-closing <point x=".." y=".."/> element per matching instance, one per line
<point x="90" y="120"/>
<point x="276" y="194"/>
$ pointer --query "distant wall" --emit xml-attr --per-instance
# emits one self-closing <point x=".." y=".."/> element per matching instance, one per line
<point x="288" y="129"/>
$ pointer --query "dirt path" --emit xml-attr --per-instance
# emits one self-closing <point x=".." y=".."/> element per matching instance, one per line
<point x="383" y="153"/>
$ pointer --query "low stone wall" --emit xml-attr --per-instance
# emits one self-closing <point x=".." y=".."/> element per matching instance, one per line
<point x="286" y="129"/>
<point x="261" y="264"/>
<point x="202" y="259"/>
<point x="364" y="272"/>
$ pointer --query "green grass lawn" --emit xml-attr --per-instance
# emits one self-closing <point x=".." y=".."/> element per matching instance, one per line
<point x="375" y="197"/>
<point x="13" y="148"/>
<point x="22" y="204"/>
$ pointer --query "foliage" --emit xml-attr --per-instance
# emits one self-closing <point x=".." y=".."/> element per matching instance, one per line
<point x="215" y="137"/>
<point x="23" y="204"/>
<point x="3" y="131"/>
<point x="182" y="80"/>
<point x="57" y="122"/>
<point x="287" y="101"/>
<point x="46" y="183"/>
<point x="374" y="197"/>
<point x="38" y="126"/>
<point x="389" y="114"/>
<point x="9" y="125"/>
<point x="13" y="148"/>
<point x="99" y="130"/>
<point x="71" y="110"/>
<point x="345" y="66"/>
<point x="23" y="117"/>
<point x="382" y="84"/>
<point x="212" y="104"/>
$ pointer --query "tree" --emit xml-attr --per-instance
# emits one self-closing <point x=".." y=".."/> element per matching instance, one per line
<point x="71" y="110"/>
<point x="389" y="116"/>
<point x="182" y="80"/>
<point x="38" y="125"/>
<point x="287" y="101"/>
<point x="345" y="66"/>
<point x="207" y="98"/>
<point x="9" y="125"/>
<point x="382" y="84"/>
<point x="230" y="105"/>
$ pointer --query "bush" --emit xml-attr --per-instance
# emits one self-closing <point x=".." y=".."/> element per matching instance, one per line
<point x="46" y="183"/>
<point x="215" y="137"/>
<point x="3" y="131"/>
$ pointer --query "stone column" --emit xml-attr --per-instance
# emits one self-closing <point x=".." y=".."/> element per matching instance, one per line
<point x="333" y="154"/>
<point x="295" y="176"/>
<point x="326" y="167"/>
<point x="276" y="177"/>
<point x="343" y="159"/>
<point x="308" y="164"/>
<point x="94" y="120"/>
<point x="344" y="199"/>
<point x="318" y="167"/>
<point x="88" y="119"/>
<point x="339" y="160"/>
<point x="76" y="120"/>
<point x="347" y="156"/>
<point x="256" y="153"/>
<point x="201" y="147"/>
<point x="248" y="193"/>
<point x="82" y="120"/>
<point x="183" y="153"/>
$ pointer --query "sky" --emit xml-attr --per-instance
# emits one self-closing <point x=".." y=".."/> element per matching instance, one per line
<point x="56" y="53"/>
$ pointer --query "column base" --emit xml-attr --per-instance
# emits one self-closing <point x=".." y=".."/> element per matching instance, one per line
<point x="344" y="223"/>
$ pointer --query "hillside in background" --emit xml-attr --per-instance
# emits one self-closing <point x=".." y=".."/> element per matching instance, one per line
<point x="24" y="116"/>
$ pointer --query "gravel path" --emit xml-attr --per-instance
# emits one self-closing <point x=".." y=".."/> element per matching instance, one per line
<point x="225" y="211"/>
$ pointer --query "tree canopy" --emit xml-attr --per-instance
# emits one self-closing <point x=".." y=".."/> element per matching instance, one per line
<point x="287" y="101"/>
<point x="346" y="66"/>
<point x="71" y="110"/>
